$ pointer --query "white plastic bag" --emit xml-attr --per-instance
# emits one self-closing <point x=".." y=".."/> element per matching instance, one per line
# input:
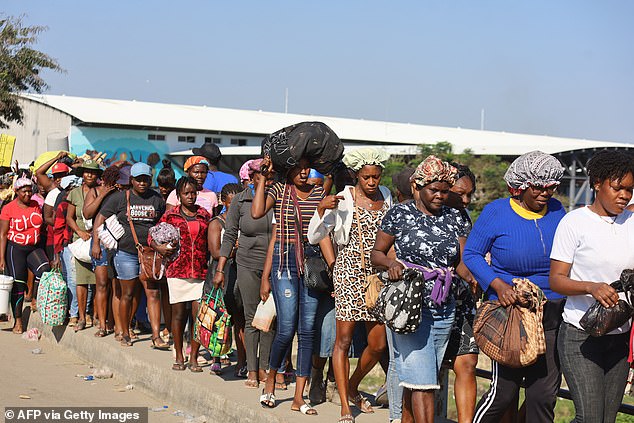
<point x="264" y="315"/>
<point x="81" y="250"/>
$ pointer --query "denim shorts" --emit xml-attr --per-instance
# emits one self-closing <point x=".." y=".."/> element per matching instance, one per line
<point x="325" y="330"/>
<point x="418" y="355"/>
<point x="126" y="265"/>
<point x="103" y="261"/>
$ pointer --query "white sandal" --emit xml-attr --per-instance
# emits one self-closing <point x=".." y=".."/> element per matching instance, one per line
<point x="306" y="410"/>
<point x="267" y="400"/>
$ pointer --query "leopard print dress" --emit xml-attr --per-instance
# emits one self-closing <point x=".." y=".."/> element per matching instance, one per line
<point x="348" y="274"/>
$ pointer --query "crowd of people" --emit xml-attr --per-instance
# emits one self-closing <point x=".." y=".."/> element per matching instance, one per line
<point x="250" y="237"/>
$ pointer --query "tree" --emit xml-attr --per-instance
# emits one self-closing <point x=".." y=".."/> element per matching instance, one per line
<point x="489" y="171"/>
<point x="20" y="66"/>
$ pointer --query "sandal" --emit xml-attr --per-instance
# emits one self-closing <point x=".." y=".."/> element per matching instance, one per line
<point x="133" y="334"/>
<point x="81" y="325"/>
<point x="126" y="341"/>
<point x="346" y="418"/>
<point x="267" y="400"/>
<point x="159" y="344"/>
<point x="252" y="383"/>
<point x="306" y="410"/>
<point x="179" y="366"/>
<point x="241" y="372"/>
<point x="216" y="368"/>
<point x="362" y="403"/>
<point x="118" y="337"/>
<point x="195" y="368"/>
<point x="100" y="333"/>
<point x="282" y="386"/>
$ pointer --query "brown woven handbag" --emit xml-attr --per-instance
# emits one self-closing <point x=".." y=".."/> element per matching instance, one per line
<point x="150" y="261"/>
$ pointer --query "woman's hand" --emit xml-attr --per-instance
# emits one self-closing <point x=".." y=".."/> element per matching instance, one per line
<point x="395" y="271"/>
<point x="103" y="190"/>
<point x="603" y="293"/>
<point x="506" y="294"/>
<point x="265" y="289"/>
<point x="329" y="202"/>
<point x="2" y="265"/>
<point x="56" y="263"/>
<point x="266" y="169"/>
<point x="84" y="235"/>
<point x="165" y="250"/>
<point x="219" y="279"/>
<point x="95" y="252"/>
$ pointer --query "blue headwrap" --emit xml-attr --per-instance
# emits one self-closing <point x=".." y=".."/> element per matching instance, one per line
<point x="314" y="174"/>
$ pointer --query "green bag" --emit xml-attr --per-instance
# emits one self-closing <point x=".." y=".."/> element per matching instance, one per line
<point x="52" y="299"/>
<point x="212" y="328"/>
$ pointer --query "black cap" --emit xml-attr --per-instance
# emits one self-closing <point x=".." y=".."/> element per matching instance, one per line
<point x="210" y="151"/>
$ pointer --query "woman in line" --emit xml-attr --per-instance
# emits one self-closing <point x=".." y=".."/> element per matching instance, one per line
<point x="185" y="275"/>
<point x="354" y="216"/>
<point x="425" y="233"/>
<point x="252" y="236"/>
<point x="232" y="298"/>
<point x="462" y="350"/>
<point x="20" y="235"/>
<point x="144" y="207"/>
<point x="294" y="202"/>
<point x="518" y="232"/>
<point x="106" y="305"/>
<point x="197" y="167"/>
<point x="90" y="171"/>
<point x="592" y="246"/>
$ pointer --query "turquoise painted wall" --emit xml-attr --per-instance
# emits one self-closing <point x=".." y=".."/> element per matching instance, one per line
<point x="120" y="144"/>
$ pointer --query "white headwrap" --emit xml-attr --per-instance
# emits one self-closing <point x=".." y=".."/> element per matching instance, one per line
<point x="21" y="183"/>
<point x="535" y="168"/>
<point x="356" y="159"/>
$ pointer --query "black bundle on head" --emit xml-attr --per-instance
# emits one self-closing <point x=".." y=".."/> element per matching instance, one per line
<point x="110" y="176"/>
<point x="609" y="164"/>
<point x="229" y="189"/>
<point x="183" y="182"/>
<point x="463" y="170"/>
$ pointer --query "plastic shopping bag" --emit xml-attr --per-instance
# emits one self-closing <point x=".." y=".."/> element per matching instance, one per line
<point x="264" y="315"/>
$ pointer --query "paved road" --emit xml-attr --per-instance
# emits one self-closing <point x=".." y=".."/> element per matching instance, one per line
<point x="50" y="379"/>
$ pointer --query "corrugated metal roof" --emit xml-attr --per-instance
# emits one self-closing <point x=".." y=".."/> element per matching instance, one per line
<point x="212" y="119"/>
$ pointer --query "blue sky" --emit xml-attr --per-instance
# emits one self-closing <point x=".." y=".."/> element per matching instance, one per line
<point x="562" y="68"/>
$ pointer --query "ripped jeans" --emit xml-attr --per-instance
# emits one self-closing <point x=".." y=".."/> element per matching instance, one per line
<point x="296" y="308"/>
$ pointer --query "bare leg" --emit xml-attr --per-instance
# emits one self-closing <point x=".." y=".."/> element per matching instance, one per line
<point x="343" y="339"/>
<point x="128" y="288"/>
<point x="101" y="295"/>
<point x="465" y="386"/>
<point x="179" y="316"/>
<point x="153" y="307"/>
<point x="165" y="304"/>
<point x="377" y="343"/>
<point x="115" y="305"/>
<point x="82" y="297"/>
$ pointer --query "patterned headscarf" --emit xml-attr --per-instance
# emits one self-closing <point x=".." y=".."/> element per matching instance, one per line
<point x="249" y="168"/>
<point x="21" y="183"/>
<point x="432" y="169"/>
<point x="194" y="160"/>
<point x="535" y="168"/>
<point x="356" y="159"/>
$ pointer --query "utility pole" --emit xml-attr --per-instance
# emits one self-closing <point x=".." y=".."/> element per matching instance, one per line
<point x="482" y="119"/>
<point x="286" y="102"/>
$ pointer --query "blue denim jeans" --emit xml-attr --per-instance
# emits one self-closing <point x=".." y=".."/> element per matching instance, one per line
<point x="68" y="272"/>
<point x="595" y="370"/>
<point x="394" y="390"/>
<point x="296" y="309"/>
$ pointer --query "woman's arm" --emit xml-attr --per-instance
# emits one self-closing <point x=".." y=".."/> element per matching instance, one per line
<point x="4" y="230"/>
<point x="327" y="252"/>
<point x="93" y="201"/>
<point x="265" y="283"/>
<point x="323" y="220"/>
<point x="262" y="203"/>
<point x="71" y="221"/>
<point x="560" y="282"/>
<point x="96" y="246"/>
<point x="40" y="173"/>
<point x="379" y="256"/>
<point x="232" y="227"/>
<point x="49" y="215"/>
<point x="214" y="234"/>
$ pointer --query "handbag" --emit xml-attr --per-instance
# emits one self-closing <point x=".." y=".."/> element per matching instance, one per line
<point x="399" y="304"/>
<point x="315" y="270"/>
<point x="264" y="315"/>
<point x="80" y="249"/>
<point x="150" y="261"/>
<point x="212" y="328"/>
<point x="598" y="320"/>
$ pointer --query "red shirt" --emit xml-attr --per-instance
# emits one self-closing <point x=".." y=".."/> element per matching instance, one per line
<point x="24" y="223"/>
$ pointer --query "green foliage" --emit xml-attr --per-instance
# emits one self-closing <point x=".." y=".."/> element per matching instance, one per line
<point x="20" y="66"/>
<point x="489" y="171"/>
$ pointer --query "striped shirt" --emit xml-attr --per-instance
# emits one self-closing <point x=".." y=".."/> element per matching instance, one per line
<point x="307" y="209"/>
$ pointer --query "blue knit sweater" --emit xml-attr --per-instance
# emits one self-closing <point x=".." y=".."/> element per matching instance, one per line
<point x="520" y="247"/>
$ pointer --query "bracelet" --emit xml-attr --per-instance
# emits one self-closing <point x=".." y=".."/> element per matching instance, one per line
<point x="220" y="271"/>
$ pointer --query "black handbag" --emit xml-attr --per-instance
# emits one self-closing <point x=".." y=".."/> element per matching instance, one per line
<point x="598" y="320"/>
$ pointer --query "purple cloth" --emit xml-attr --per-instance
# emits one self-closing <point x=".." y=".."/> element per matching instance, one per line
<point x="442" y="278"/>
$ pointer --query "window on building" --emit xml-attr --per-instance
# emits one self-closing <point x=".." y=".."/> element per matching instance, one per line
<point x="209" y="140"/>
<point x="186" y="138"/>
<point x="238" y="141"/>
<point x="155" y="137"/>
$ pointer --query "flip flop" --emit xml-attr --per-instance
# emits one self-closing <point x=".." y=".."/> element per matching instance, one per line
<point x="346" y="418"/>
<point x="100" y="333"/>
<point x="126" y="341"/>
<point x="81" y="325"/>
<point x="362" y="403"/>
<point x="252" y="383"/>
<point x="195" y="368"/>
<point x="159" y="344"/>
<point x="267" y="400"/>
<point x="306" y="410"/>
<point x="179" y="366"/>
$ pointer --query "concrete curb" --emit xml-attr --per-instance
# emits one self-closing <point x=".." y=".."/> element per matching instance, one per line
<point x="221" y="399"/>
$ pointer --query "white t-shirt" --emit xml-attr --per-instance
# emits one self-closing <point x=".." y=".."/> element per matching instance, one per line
<point x="51" y="197"/>
<point x="599" y="249"/>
